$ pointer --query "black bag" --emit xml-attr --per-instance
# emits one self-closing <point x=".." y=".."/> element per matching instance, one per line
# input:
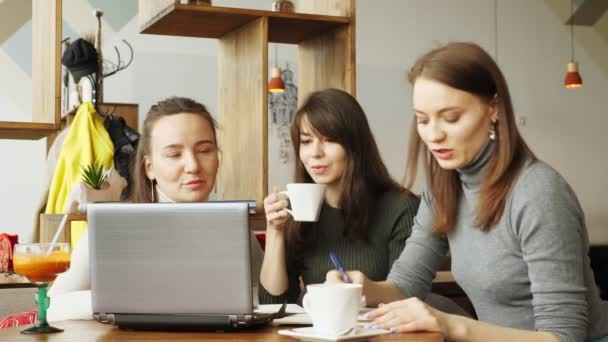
<point x="125" y="141"/>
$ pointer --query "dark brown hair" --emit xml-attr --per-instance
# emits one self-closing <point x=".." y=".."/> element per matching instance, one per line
<point x="142" y="187"/>
<point x="337" y="116"/>
<point x="466" y="66"/>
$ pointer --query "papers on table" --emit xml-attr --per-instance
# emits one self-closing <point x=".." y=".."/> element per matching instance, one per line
<point x="309" y="334"/>
<point x="272" y="308"/>
<point x="299" y="316"/>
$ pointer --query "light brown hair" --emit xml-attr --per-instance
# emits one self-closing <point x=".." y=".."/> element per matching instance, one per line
<point x="142" y="186"/>
<point x="467" y="67"/>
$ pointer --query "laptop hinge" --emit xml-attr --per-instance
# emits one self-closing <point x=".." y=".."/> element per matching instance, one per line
<point x="240" y="320"/>
<point x="104" y="318"/>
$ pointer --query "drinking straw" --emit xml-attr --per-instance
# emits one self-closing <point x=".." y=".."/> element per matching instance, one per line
<point x="57" y="233"/>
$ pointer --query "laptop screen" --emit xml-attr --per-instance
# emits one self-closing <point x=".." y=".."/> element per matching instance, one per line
<point x="170" y="258"/>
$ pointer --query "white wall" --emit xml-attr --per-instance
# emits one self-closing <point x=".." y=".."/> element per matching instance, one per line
<point x="564" y="127"/>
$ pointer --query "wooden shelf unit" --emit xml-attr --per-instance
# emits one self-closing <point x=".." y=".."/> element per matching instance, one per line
<point x="25" y="130"/>
<point x="215" y="22"/>
<point x="324" y="31"/>
<point x="46" y="75"/>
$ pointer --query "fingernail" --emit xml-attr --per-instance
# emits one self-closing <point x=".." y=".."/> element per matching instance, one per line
<point x="368" y="326"/>
<point x="393" y="330"/>
<point x="365" y="315"/>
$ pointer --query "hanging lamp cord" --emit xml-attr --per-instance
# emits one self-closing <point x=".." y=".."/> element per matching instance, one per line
<point x="572" y="30"/>
<point x="276" y="55"/>
<point x="496" y="30"/>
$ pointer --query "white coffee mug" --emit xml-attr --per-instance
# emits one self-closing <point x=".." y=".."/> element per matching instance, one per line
<point x="305" y="200"/>
<point x="333" y="307"/>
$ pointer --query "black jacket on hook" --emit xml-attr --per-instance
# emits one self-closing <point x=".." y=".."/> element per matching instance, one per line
<point x="125" y="141"/>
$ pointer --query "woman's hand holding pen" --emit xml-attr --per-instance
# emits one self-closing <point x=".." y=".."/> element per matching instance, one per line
<point x="274" y="207"/>
<point x="356" y="277"/>
<point x="374" y="292"/>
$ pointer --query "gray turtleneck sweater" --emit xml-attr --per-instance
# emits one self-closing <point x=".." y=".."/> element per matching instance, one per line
<point x="531" y="271"/>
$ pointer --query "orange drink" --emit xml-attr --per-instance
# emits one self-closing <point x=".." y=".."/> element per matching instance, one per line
<point x="40" y="263"/>
<point x="41" y="267"/>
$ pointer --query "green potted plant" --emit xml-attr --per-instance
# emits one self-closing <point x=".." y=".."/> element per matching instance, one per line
<point x="94" y="175"/>
<point x="98" y="184"/>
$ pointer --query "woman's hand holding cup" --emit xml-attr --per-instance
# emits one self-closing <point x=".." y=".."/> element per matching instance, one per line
<point x="275" y="205"/>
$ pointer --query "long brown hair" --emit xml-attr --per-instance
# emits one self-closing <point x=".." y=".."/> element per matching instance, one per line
<point x="466" y="66"/>
<point x="142" y="186"/>
<point x="338" y="116"/>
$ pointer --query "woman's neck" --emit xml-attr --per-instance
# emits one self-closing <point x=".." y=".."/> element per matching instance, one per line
<point x="161" y="197"/>
<point x="333" y="193"/>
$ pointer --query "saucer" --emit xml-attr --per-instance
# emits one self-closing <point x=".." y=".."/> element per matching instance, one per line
<point x="309" y="334"/>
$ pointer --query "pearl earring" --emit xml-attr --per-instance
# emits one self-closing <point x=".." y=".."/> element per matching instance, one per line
<point x="493" y="132"/>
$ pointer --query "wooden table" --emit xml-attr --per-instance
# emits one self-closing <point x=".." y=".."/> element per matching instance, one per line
<point x="14" y="281"/>
<point x="92" y="331"/>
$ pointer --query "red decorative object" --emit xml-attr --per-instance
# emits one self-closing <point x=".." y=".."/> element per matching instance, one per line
<point x="7" y="244"/>
<point x="15" y="320"/>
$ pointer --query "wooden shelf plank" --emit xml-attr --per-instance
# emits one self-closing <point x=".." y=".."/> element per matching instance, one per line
<point x="25" y="130"/>
<point x="243" y="113"/>
<point x="46" y="64"/>
<point x="327" y="61"/>
<point x="215" y="22"/>
<point x="77" y="217"/>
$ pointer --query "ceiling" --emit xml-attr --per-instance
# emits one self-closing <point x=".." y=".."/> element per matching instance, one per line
<point x="587" y="12"/>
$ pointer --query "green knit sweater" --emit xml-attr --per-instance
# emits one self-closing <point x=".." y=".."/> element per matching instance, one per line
<point x="390" y="225"/>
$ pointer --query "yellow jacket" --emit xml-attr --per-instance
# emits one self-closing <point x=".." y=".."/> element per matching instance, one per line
<point x="87" y="141"/>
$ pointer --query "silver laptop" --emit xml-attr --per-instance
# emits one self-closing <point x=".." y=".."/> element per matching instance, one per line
<point x="172" y="266"/>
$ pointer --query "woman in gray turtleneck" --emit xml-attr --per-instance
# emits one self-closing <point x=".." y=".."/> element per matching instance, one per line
<point x="514" y="227"/>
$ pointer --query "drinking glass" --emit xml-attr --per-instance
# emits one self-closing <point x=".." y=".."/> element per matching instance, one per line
<point x="40" y="263"/>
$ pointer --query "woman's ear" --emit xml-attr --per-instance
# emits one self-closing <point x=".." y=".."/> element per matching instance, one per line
<point x="148" y="168"/>
<point x="494" y="109"/>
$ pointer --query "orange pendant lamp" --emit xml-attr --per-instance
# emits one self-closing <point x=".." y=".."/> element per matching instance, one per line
<point x="276" y="84"/>
<point x="573" y="79"/>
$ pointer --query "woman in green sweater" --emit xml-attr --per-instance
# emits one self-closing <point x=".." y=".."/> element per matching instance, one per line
<point x="365" y="218"/>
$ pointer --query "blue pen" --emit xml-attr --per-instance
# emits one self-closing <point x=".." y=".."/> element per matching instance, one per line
<point x="336" y="262"/>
